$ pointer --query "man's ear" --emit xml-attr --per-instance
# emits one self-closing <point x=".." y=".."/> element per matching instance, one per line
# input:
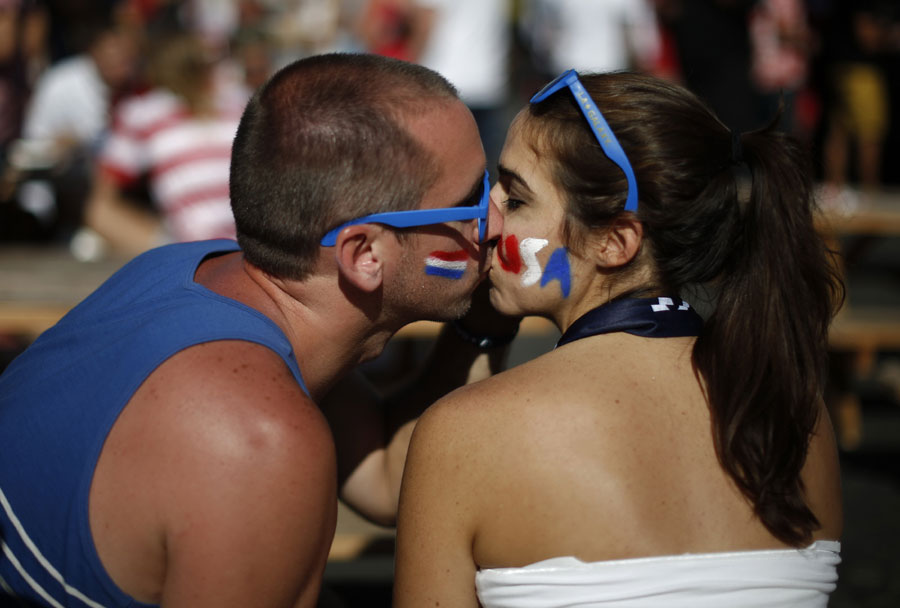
<point x="360" y="255"/>
<point x="619" y="244"/>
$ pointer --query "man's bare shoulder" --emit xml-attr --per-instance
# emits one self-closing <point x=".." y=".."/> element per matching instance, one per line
<point x="236" y="404"/>
<point x="233" y="468"/>
<point x="231" y="386"/>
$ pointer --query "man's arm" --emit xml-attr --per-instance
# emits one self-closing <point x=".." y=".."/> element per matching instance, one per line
<point x="126" y="227"/>
<point x="372" y="432"/>
<point x="216" y="487"/>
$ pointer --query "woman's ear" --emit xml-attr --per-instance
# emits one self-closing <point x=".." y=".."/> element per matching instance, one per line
<point x="619" y="244"/>
<point x="360" y="255"/>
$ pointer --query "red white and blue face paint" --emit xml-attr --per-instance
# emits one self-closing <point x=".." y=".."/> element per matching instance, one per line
<point x="558" y="269"/>
<point x="528" y="249"/>
<point x="508" y="254"/>
<point x="447" y="264"/>
<point x="521" y="258"/>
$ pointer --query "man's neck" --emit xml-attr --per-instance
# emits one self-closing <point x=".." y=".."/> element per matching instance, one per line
<point x="329" y="334"/>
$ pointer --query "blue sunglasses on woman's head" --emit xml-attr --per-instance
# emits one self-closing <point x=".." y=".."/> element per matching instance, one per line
<point x="424" y="217"/>
<point x="611" y="146"/>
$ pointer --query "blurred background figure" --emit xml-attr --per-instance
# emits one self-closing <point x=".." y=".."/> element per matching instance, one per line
<point x="64" y="122"/>
<point x="590" y="35"/>
<point x="300" y="28"/>
<point x="712" y="43"/>
<point x="178" y="137"/>
<point x="23" y="55"/>
<point x="781" y="42"/>
<point x="469" y="42"/>
<point x="292" y="28"/>
<point x="858" y="53"/>
<point x="389" y="28"/>
<point x="252" y="58"/>
<point x="71" y="101"/>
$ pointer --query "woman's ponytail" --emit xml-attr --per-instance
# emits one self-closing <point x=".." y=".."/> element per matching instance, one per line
<point x="762" y="351"/>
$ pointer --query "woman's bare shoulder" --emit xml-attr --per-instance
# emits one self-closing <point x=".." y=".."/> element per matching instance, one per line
<point x="494" y="396"/>
<point x="514" y="407"/>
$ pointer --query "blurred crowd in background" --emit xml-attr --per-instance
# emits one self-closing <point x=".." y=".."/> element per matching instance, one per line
<point x="116" y="116"/>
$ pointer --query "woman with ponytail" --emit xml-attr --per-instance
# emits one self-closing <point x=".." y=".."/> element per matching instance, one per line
<point x="656" y="456"/>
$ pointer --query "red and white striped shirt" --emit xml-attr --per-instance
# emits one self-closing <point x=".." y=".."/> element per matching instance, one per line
<point x="185" y="157"/>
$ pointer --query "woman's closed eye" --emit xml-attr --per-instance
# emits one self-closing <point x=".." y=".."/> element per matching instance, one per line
<point x="512" y="204"/>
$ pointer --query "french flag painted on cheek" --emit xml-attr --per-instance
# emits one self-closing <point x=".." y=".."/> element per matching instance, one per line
<point x="448" y="264"/>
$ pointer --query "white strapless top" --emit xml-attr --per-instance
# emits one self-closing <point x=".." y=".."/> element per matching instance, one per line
<point x="744" y="579"/>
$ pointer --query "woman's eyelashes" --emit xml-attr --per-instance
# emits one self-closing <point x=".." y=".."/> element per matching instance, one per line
<point x="512" y="204"/>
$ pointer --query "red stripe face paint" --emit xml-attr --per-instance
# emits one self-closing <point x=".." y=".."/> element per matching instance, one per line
<point x="508" y="254"/>
<point x="460" y="255"/>
<point x="447" y="264"/>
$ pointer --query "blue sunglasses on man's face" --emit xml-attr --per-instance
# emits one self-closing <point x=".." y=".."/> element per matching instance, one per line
<point x="602" y="132"/>
<point x="424" y="217"/>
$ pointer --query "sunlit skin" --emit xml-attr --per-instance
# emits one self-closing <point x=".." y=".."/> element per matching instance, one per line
<point x="459" y="184"/>
<point x="189" y="534"/>
<point x="533" y="212"/>
<point x="599" y="449"/>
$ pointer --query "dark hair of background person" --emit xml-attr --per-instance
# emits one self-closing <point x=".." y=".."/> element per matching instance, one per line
<point x="762" y="351"/>
<point x="323" y="142"/>
<point x="180" y="63"/>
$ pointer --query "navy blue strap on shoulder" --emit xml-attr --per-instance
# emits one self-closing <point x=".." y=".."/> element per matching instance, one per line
<point x="649" y="317"/>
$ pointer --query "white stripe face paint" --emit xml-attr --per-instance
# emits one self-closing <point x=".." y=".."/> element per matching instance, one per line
<point x="528" y="249"/>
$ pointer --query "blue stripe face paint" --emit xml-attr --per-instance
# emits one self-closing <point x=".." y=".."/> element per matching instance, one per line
<point x="447" y="264"/>
<point x="558" y="269"/>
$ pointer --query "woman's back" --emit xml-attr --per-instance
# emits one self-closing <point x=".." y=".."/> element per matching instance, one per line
<point x="648" y="433"/>
<point x="579" y="453"/>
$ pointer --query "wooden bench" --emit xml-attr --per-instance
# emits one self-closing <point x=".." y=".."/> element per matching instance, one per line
<point x="865" y="332"/>
<point x="859" y="333"/>
<point x="857" y="337"/>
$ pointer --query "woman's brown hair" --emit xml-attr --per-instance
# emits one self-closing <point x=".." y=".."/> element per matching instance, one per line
<point x="733" y="214"/>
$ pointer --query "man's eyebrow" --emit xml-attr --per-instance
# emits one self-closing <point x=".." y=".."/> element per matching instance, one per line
<point x="474" y="196"/>
<point x="508" y="175"/>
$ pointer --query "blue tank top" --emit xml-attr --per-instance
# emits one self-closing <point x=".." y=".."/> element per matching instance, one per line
<point x="59" y="399"/>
